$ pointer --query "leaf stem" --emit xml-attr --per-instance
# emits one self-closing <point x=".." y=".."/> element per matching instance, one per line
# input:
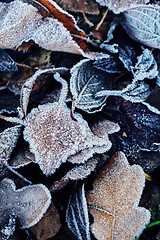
<point x="100" y="209"/>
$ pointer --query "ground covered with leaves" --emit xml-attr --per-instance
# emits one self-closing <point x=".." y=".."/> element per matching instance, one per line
<point x="79" y="120"/>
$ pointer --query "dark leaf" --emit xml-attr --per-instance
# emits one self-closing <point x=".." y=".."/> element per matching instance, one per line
<point x="85" y="82"/>
<point x="77" y="214"/>
<point x="142" y="24"/>
<point x="140" y="125"/>
<point x="112" y="64"/>
<point x="6" y="62"/>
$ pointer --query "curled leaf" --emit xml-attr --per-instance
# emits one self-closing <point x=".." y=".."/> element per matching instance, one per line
<point x="114" y="200"/>
<point x="77" y="214"/>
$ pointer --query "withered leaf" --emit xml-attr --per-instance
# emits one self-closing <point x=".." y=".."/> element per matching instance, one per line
<point x="28" y="204"/>
<point x="77" y="214"/>
<point x="88" y="6"/>
<point x="48" y="226"/>
<point x="21" y="21"/>
<point x="142" y="24"/>
<point x="118" y="6"/>
<point x="6" y="62"/>
<point x="114" y="200"/>
<point x="85" y="82"/>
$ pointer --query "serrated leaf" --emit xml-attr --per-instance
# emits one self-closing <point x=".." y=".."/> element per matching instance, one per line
<point x="6" y="62"/>
<point x="85" y="82"/>
<point x="77" y="214"/>
<point x="143" y="24"/>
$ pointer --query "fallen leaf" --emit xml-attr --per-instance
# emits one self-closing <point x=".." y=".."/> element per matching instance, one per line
<point x="22" y="21"/>
<point x="118" y="6"/>
<point x="85" y="82"/>
<point x="48" y="226"/>
<point x="142" y="24"/>
<point x="114" y="200"/>
<point x="77" y="214"/>
<point x="27" y="204"/>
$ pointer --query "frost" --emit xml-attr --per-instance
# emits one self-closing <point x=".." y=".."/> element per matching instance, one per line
<point x="21" y="22"/>
<point x="77" y="214"/>
<point x="146" y="66"/>
<point x="142" y="24"/>
<point x="27" y="204"/>
<point x="54" y="137"/>
<point x="6" y="62"/>
<point x="9" y="228"/>
<point x="118" y="6"/>
<point x="114" y="200"/>
<point x="84" y="83"/>
<point x="8" y="141"/>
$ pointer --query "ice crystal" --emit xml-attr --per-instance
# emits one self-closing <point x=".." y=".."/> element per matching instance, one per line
<point x="114" y="201"/>
<point x="27" y="204"/>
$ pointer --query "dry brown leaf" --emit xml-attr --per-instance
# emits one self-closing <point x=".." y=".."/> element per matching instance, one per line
<point x="118" y="6"/>
<point x="44" y="22"/>
<point x="48" y="226"/>
<point x="114" y="201"/>
<point x="88" y="6"/>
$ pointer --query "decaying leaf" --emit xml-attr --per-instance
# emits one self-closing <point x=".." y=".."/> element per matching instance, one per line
<point x="85" y="82"/>
<point x="21" y="21"/>
<point x="48" y="226"/>
<point x="118" y="6"/>
<point x="114" y="200"/>
<point x="6" y="62"/>
<point x="28" y="204"/>
<point x="142" y="24"/>
<point x="8" y="141"/>
<point x="88" y="6"/>
<point x="77" y="214"/>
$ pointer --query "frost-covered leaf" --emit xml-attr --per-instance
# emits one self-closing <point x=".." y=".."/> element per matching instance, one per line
<point x="112" y="64"/>
<point x="118" y="6"/>
<point x="8" y="141"/>
<point x="87" y="6"/>
<point x="48" y="226"/>
<point x="27" y="204"/>
<point x="85" y="82"/>
<point x="6" y="62"/>
<point x="146" y="66"/>
<point x="77" y="214"/>
<point x="134" y="92"/>
<point x="143" y="24"/>
<point x="21" y="21"/>
<point x="114" y="200"/>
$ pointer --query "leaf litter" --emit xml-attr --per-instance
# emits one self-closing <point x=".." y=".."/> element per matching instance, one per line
<point x="67" y="132"/>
